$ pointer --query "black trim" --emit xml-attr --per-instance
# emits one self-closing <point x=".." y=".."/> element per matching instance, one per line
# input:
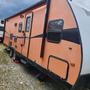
<point x="45" y="28"/>
<point x="65" y="61"/>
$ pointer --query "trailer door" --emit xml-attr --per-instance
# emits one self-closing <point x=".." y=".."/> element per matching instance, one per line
<point x="26" y="34"/>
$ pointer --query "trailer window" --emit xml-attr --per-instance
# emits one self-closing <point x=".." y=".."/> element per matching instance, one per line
<point x="20" y="27"/>
<point x="55" y="28"/>
<point x="28" y="24"/>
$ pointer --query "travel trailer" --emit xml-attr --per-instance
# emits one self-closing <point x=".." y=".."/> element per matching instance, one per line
<point x="53" y="35"/>
<point x="1" y="30"/>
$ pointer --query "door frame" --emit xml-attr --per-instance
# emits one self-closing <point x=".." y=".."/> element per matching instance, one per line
<point x="29" y="14"/>
<point x="30" y="35"/>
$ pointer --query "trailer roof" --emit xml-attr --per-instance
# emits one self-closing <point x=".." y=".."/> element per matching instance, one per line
<point x="42" y="2"/>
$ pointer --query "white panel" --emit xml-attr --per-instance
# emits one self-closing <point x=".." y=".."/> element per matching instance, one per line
<point x="85" y="4"/>
<point x="83" y="19"/>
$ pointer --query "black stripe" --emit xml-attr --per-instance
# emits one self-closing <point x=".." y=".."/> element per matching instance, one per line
<point x="30" y="35"/>
<point x="38" y="36"/>
<point x="21" y="37"/>
<point x="45" y="27"/>
<point x="71" y="35"/>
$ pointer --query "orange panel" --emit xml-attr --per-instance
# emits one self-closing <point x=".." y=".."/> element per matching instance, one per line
<point x="12" y="29"/>
<point x="35" y="48"/>
<point x="58" y="66"/>
<point x="18" y="45"/>
<point x="6" y="39"/>
<point x="63" y="50"/>
<point x="67" y="50"/>
<point x="37" y="29"/>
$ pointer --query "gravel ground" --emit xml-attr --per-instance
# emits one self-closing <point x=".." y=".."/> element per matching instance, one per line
<point x="18" y="77"/>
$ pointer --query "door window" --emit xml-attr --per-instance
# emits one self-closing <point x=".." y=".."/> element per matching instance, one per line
<point x="28" y="24"/>
<point x="20" y="27"/>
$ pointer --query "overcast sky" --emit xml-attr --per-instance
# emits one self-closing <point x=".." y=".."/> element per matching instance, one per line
<point x="10" y="7"/>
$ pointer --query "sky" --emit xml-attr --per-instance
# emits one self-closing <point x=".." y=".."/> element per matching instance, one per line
<point x="10" y="7"/>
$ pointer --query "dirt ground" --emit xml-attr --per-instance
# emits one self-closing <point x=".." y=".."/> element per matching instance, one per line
<point x="18" y="77"/>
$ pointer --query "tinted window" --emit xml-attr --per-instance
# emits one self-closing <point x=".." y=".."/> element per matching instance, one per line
<point x="20" y="27"/>
<point x="28" y="24"/>
<point x="55" y="28"/>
